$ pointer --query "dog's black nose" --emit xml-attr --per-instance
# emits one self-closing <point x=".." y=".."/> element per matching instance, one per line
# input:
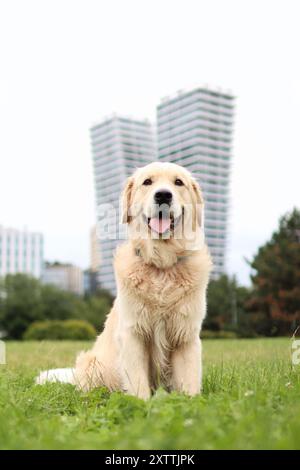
<point x="163" y="196"/>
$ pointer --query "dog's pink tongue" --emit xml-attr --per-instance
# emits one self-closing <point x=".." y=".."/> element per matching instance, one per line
<point x="160" y="225"/>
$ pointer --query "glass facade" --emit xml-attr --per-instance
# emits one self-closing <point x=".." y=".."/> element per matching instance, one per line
<point x="21" y="252"/>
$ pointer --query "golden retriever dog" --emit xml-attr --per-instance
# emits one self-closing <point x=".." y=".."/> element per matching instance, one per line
<point x="151" y="336"/>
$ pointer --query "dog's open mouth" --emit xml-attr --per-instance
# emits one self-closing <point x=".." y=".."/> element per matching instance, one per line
<point x="162" y="223"/>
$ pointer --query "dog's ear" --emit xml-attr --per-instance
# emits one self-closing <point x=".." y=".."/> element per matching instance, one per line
<point x="199" y="205"/>
<point x="126" y="200"/>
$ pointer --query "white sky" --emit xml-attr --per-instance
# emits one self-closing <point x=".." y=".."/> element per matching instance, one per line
<point x="65" y="64"/>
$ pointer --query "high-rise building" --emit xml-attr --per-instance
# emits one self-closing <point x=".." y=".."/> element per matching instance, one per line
<point x="95" y="259"/>
<point x="64" y="276"/>
<point x="91" y="275"/>
<point x="21" y="252"/>
<point x="195" y="131"/>
<point x="119" y="146"/>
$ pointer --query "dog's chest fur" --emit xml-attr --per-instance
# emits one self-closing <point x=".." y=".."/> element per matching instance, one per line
<point x="163" y="317"/>
<point x="164" y="306"/>
<point x="160" y="303"/>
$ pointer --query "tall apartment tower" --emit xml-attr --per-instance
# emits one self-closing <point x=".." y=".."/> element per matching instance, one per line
<point x="119" y="146"/>
<point x="195" y="131"/>
<point x="21" y="252"/>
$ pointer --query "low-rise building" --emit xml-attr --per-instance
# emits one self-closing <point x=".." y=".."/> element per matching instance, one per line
<point x="65" y="276"/>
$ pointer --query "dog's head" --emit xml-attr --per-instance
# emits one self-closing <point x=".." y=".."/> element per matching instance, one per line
<point x="162" y="201"/>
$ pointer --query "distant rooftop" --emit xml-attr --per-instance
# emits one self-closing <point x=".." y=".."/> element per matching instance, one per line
<point x="115" y="116"/>
<point x="212" y="91"/>
<point x="16" y="230"/>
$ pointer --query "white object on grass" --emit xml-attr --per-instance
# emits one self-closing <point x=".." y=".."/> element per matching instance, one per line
<point x="56" y="375"/>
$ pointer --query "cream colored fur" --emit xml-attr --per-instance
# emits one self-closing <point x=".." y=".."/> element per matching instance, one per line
<point x="151" y="335"/>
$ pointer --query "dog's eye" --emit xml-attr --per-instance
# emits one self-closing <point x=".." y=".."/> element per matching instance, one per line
<point x="147" y="182"/>
<point x="178" y="182"/>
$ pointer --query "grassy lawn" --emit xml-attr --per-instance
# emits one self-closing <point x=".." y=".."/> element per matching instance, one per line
<point x="251" y="399"/>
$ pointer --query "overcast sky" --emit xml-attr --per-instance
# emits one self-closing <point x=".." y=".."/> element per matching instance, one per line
<point x="66" y="64"/>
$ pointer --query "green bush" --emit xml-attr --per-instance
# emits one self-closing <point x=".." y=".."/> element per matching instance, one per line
<point x="60" y="329"/>
<point x="24" y="300"/>
<point x="211" y="334"/>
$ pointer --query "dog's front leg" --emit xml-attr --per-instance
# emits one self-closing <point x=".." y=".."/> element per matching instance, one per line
<point x="187" y="367"/>
<point x="134" y="365"/>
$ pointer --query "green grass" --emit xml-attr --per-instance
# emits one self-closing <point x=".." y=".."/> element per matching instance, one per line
<point x="251" y="399"/>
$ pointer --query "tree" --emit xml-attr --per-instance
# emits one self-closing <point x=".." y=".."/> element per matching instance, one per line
<point x="61" y="305"/>
<point x="276" y="279"/>
<point x="20" y="304"/>
<point x="225" y="304"/>
<point x="24" y="300"/>
<point x="98" y="306"/>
